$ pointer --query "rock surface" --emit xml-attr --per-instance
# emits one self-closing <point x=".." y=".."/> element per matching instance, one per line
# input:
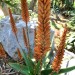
<point x="7" y="37"/>
<point x="68" y="61"/>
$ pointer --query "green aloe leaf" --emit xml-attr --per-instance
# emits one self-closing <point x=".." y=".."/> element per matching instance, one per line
<point x="28" y="61"/>
<point x="37" y="68"/>
<point x="67" y="69"/>
<point x="31" y="66"/>
<point x="47" y="72"/>
<point x="20" y="68"/>
<point x="25" y="57"/>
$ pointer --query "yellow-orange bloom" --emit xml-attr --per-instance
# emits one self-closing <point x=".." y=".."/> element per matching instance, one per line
<point x="42" y="41"/>
<point x="25" y="13"/>
<point x="19" y="54"/>
<point x="2" y="51"/>
<point x="13" y="26"/>
<point x="56" y="64"/>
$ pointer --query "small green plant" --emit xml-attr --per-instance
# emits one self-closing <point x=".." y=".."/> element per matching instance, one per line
<point x="63" y="4"/>
<point x="39" y="62"/>
<point x="71" y="23"/>
<point x="70" y="42"/>
<point x="8" y="2"/>
<point x="13" y="4"/>
<point x="1" y="17"/>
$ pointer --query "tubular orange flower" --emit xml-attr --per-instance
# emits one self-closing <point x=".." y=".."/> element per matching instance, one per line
<point x="13" y="26"/>
<point x="25" y="13"/>
<point x="2" y="51"/>
<point x="56" y="64"/>
<point x="25" y="38"/>
<point x="25" y="17"/>
<point x="35" y="36"/>
<point x="19" y="54"/>
<point x="43" y="30"/>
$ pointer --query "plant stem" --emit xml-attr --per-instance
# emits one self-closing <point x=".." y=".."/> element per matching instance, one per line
<point x="29" y="52"/>
<point x="18" y="41"/>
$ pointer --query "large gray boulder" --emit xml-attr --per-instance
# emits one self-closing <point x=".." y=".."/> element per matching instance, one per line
<point x="8" y="38"/>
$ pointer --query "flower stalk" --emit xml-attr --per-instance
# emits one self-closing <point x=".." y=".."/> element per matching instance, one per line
<point x="42" y="41"/>
<point x="25" y="17"/>
<point x="56" y="64"/>
<point x="2" y="51"/>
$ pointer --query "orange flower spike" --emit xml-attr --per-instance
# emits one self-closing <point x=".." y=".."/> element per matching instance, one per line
<point x="25" y="13"/>
<point x="35" y="36"/>
<point x="25" y="38"/>
<point x="13" y="26"/>
<point x="19" y="54"/>
<point x="2" y="51"/>
<point x="56" y="64"/>
<point x="25" y="17"/>
<point x="42" y="40"/>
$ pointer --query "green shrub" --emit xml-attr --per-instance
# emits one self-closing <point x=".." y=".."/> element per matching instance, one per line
<point x="71" y="23"/>
<point x="70" y="42"/>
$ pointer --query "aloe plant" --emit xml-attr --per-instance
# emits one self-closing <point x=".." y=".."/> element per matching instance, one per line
<point x="39" y="63"/>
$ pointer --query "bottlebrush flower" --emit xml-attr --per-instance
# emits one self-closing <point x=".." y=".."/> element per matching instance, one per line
<point x="42" y="41"/>
<point x="25" y="39"/>
<point x="19" y="54"/>
<point x="13" y="26"/>
<point x="56" y="64"/>
<point x="2" y="51"/>
<point x="25" y="17"/>
<point x="25" y="13"/>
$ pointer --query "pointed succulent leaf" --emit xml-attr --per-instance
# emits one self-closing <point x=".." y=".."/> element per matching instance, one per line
<point x="20" y="68"/>
<point x="65" y="70"/>
<point x="28" y="61"/>
<point x="46" y="72"/>
<point x="37" y="68"/>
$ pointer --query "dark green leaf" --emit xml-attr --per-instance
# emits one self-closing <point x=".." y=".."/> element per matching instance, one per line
<point x="67" y="69"/>
<point x="37" y="68"/>
<point x="28" y="62"/>
<point x="54" y="25"/>
<point x="24" y="56"/>
<point x="20" y="68"/>
<point x="47" y="72"/>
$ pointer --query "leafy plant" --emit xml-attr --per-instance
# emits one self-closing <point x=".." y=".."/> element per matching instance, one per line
<point x="70" y="42"/>
<point x="39" y="62"/>
<point x="71" y="23"/>
<point x="8" y="2"/>
<point x="13" y="4"/>
<point x="60" y="5"/>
